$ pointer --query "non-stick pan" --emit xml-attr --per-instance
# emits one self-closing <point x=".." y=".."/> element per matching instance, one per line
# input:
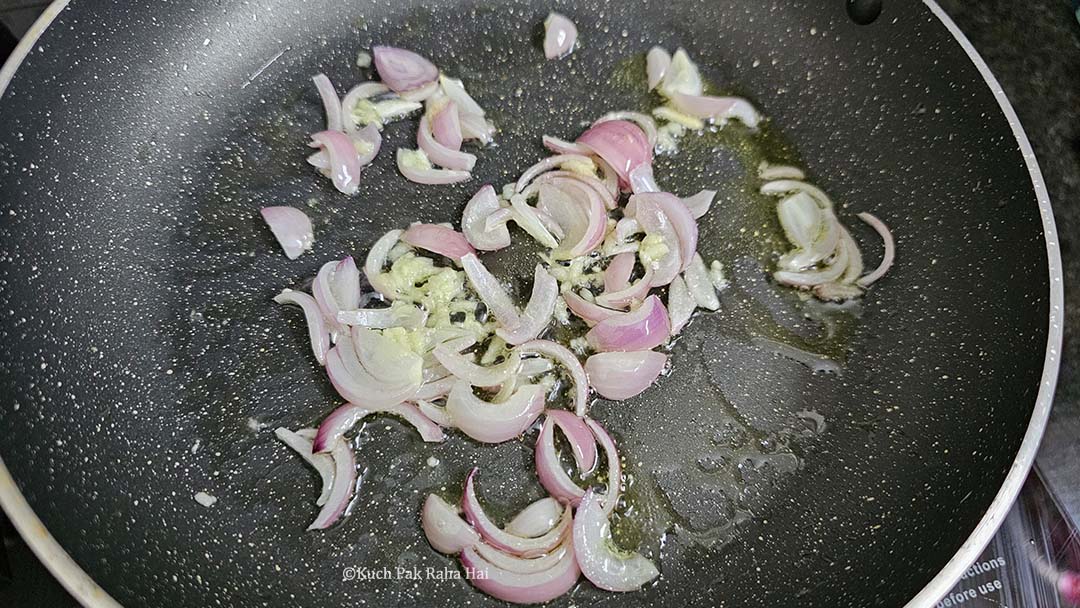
<point x="143" y="360"/>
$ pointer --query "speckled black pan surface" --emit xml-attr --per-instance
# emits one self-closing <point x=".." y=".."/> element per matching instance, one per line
<point x="136" y="277"/>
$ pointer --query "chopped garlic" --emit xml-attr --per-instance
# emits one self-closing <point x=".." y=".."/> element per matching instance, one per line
<point x="716" y="275"/>
<point x="363" y="60"/>
<point x="651" y="250"/>
<point x="683" y="120"/>
<point x="579" y="345"/>
<point x="205" y="499"/>
<point x="682" y="76"/>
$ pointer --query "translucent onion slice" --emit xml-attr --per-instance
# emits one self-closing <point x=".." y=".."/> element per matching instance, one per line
<point x="579" y="212"/>
<point x="621" y="376"/>
<point x="622" y="144"/>
<point x="403" y="70"/>
<point x="537" y="519"/>
<point x="318" y="333"/>
<point x="355" y="384"/>
<point x="364" y="90"/>
<point x="641" y="329"/>
<point x="331" y="103"/>
<point x="561" y="146"/>
<point x="560" y="35"/>
<point x="617" y="274"/>
<point x="291" y="228"/>
<point x="699" y="203"/>
<point x="503" y="540"/>
<point x="445" y="529"/>
<point x="604" y="566"/>
<point x="716" y="108"/>
<point x="483" y="205"/>
<point x="522" y="565"/>
<point x="569" y="362"/>
<point x="681" y="219"/>
<point x="344" y="163"/>
<point x="439" y="240"/>
<point x="463" y="368"/>
<point x="657" y="61"/>
<point x="651" y="215"/>
<point x="700" y="284"/>
<point x="548" y="164"/>
<point x="644" y="121"/>
<point x="342" y="490"/>
<point x="528" y="219"/>
<point x="376" y="260"/>
<point x="890" y="249"/>
<point x="642" y="180"/>
<point x="491" y="292"/>
<point x="416" y="167"/>
<point x="537" y="315"/>
<point x="446" y="129"/>
<point x="589" y="312"/>
<point x="579" y="436"/>
<point x="519" y="588"/>
<point x="454" y="89"/>
<point x="635" y="292"/>
<point x="494" y="422"/>
<point x="440" y="154"/>
<point x="322" y="463"/>
<point x="680" y="304"/>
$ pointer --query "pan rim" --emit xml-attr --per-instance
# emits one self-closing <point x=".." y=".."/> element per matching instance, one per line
<point x="83" y="587"/>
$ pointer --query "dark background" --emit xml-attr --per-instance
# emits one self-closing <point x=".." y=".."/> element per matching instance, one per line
<point x="1032" y="46"/>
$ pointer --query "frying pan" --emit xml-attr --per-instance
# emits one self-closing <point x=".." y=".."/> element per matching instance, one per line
<point x="141" y="137"/>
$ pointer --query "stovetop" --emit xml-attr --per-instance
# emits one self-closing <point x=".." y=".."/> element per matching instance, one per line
<point x="1041" y="75"/>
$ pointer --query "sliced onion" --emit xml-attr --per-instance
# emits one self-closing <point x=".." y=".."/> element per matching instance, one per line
<point x="570" y="362"/>
<point x="342" y="490"/>
<point x="475" y="126"/>
<point x="700" y="284"/>
<point x="494" y="422"/>
<point x="364" y="90"/>
<point x="444" y="528"/>
<point x="617" y="274"/>
<point x="529" y="220"/>
<point x="416" y="167"/>
<point x="369" y="139"/>
<point x="536" y="519"/>
<point x="680" y="304"/>
<point x="837" y="292"/>
<point x="435" y="413"/>
<point x="621" y="144"/>
<point x="589" y="312"/>
<point x="651" y="213"/>
<point x="855" y="263"/>
<point x="810" y="227"/>
<point x="563" y="179"/>
<point x="331" y="103"/>
<point x="579" y="436"/>
<point x="440" y="154"/>
<point x="358" y="386"/>
<point x="345" y="284"/>
<point x="446" y="128"/>
<point x="614" y="474"/>
<point x="604" y="566"/>
<point x="403" y="70"/>
<point x="537" y="315"/>
<point x="291" y="228"/>
<point x="834" y="268"/>
<point x="522" y="565"/>
<point x="420" y="94"/>
<point x="581" y="214"/>
<point x="499" y="538"/>
<point x="343" y="160"/>
<point x="428" y="429"/>
<point x="491" y="292"/>
<point x="716" y="108"/>
<point x="386" y="359"/>
<point x="333" y="428"/>
<point x="681" y="220"/>
<point x="890" y="249"/>
<point x="560" y="34"/>
<point x="477" y="375"/>
<point x="322" y="463"/>
<point x="454" y="89"/>
<point x="642" y="180"/>
<point x="438" y="239"/>
<point x="323" y="291"/>
<point x="435" y="389"/>
<point x="699" y="203"/>
<point x="318" y="332"/>
<point x="785" y="186"/>
<point x="520" y="588"/>
<point x="561" y="146"/>
<point x="621" y="376"/>
<point x="641" y="329"/>
<point x="484" y="204"/>
<point x="624" y="297"/>
<point x="409" y="317"/>
<point x="547" y="164"/>
<point x="657" y="61"/>
<point x="376" y="260"/>
<point x="646" y="122"/>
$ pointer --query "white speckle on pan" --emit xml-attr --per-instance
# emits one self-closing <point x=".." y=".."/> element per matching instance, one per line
<point x="205" y="499"/>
